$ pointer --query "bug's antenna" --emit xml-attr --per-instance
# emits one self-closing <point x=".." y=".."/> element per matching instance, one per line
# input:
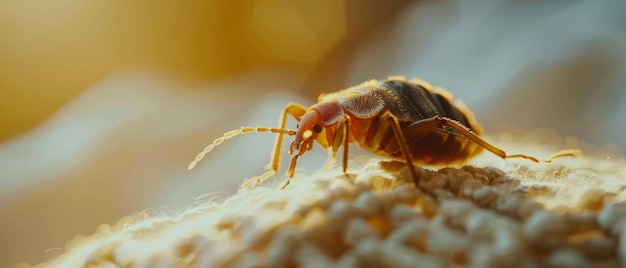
<point x="232" y="133"/>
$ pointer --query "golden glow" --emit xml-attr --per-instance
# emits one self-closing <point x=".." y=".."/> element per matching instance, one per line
<point x="292" y="31"/>
<point x="62" y="49"/>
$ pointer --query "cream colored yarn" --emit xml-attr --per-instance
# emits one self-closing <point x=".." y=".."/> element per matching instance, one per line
<point x="534" y="215"/>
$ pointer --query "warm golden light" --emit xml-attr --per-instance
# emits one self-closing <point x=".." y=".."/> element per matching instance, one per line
<point x="61" y="49"/>
<point x="103" y="105"/>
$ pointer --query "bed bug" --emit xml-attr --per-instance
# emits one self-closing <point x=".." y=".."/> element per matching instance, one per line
<point x="407" y="120"/>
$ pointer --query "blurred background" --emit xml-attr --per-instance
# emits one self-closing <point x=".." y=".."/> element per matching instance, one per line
<point x="104" y="103"/>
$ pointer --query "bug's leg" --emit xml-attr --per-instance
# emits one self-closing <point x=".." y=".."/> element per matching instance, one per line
<point x="341" y="136"/>
<point x="562" y="153"/>
<point x="497" y="151"/>
<point x="401" y="140"/>
<point x="346" y="143"/>
<point x="294" y="109"/>
<point x="292" y="166"/>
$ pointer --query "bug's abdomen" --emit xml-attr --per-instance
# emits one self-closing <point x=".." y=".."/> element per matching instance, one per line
<point x="438" y="147"/>
<point x="411" y="103"/>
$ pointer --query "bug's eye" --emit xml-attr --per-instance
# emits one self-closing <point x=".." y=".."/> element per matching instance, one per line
<point x="317" y="128"/>
<point x="298" y="125"/>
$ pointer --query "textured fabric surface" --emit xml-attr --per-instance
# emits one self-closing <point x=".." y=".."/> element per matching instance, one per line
<point x="570" y="213"/>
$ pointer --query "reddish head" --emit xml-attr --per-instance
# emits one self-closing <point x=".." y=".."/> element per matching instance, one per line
<point x="309" y="128"/>
<point x="314" y="124"/>
<point x="313" y="127"/>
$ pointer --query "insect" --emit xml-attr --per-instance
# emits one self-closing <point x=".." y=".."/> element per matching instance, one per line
<point x="407" y="120"/>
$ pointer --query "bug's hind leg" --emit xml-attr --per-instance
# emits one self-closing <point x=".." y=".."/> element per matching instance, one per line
<point x="401" y="140"/>
<point x="443" y="121"/>
<point x="566" y="152"/>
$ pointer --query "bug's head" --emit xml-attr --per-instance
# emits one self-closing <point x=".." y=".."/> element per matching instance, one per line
<point x="309" y="128"/>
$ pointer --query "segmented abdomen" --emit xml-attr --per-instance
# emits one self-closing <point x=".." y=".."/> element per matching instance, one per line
<point x="411" y="103"/>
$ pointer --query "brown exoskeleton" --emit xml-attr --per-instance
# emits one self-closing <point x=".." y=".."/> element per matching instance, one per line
<point x="406" y="120"/>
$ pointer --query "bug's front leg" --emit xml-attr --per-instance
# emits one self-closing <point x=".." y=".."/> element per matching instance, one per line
<point x="297" y="111"/>
<point x="342" y="135"/>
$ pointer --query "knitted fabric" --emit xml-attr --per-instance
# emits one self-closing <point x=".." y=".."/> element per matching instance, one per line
<point x="533" y="215"/>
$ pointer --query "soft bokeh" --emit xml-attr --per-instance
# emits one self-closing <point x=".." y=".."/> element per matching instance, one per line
<point x="103" y="104"/>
